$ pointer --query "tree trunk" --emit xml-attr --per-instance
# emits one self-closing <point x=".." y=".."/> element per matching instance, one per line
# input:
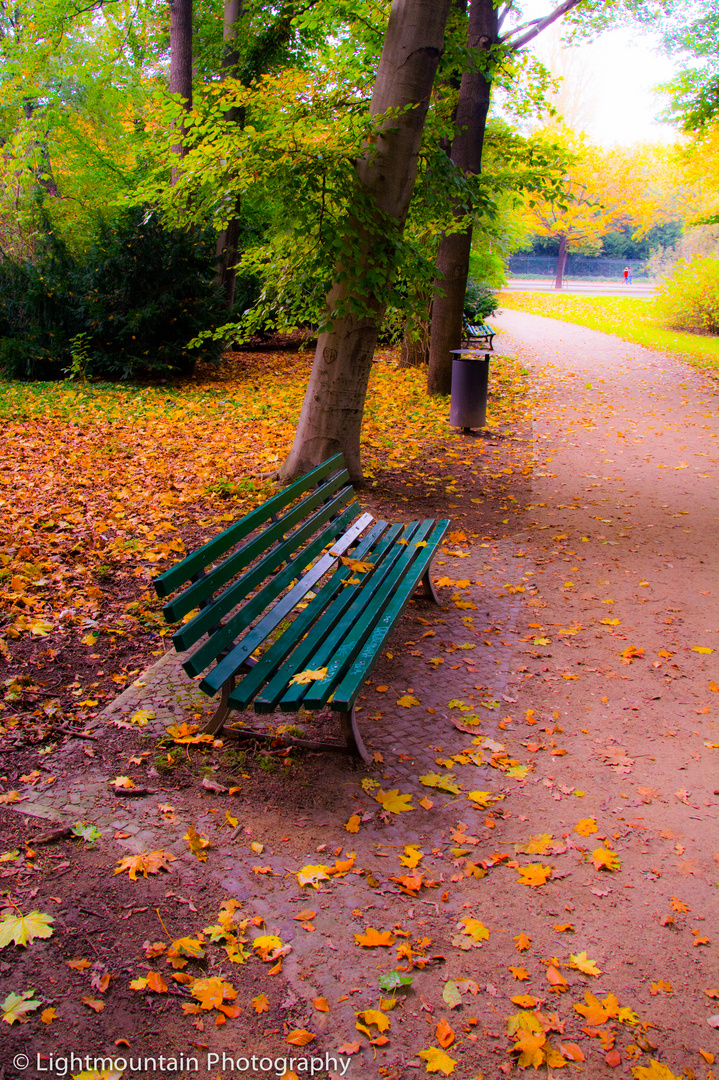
<point x="414" y="351"/>
<point x="227" y="240"/>
<point x="181" y="57"/>
<point x="454" y="248"/>
<point x="334" y="402"/>
<point x="561" y="261"/>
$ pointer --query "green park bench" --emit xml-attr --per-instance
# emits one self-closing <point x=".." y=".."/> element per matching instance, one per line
<point x="304" y="582"/>
<point x="479" y="332"/>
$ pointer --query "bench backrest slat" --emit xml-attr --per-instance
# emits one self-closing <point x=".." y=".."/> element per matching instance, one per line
<point x="264" y="627"/>
<point x="193" y="564"/>
<point x="220" y="575"/>
<point x="224" y="637"/>
<point x="337" y="599"/>
<point x="210" y="616"/>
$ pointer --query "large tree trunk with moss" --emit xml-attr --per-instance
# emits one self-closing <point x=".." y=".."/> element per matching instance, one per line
<point x="454" y="247"/>
<point x="181" y="58"/>
<point x="334" y="402"/>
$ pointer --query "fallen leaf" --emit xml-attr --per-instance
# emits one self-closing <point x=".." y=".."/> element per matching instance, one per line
<point x="522" y="942"/>
<point x="23" y="929"/>
<point x="393" y="801"/>
<point x="372" y="939"/>
<point x="94" y="1003"/>
<point x="149" y="862"/>
<point x="353" y="824"/>
<point x="198" y="844"/>
<point x="444" y="1033"/>
<point x="535" y="875"/>
<point x="604" y="859"/>
<point x="586" y="826"/>
<point x="308" y="676"/>
<point x="261" y="1004"/>
<point x="15" y="1007"/>
<point x="300" y="1037"/>
<point x="437" y="1060"/>
<point x="321" y="1004"/>
<point x="580" y="962"/>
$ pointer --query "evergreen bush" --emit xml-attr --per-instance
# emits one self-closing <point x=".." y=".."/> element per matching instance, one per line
<point x="137" y="297"/>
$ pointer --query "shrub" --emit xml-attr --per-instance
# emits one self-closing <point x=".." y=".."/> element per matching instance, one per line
<point x="479" y="302"/>
<point x="133" y="302"/>
<point x="688" y="298"/>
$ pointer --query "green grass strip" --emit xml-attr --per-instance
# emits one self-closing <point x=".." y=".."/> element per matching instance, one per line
<point x="629" y="318"/>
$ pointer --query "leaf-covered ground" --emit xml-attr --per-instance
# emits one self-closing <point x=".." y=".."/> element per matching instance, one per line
<point x="102" y="486"/>
<point x="534" y="844"/>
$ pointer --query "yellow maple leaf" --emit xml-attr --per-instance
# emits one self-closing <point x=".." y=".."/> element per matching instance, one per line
<point x="197" y="843"/>
<point x="529" y="1045"/>
<point x="312" y="875"/>
<point x="266" y="945"/>
<point x="475" y="929"/>
<point x="309" y="676"/>
<point x="353" y="824"/>
<point x="586" y="826"/>
<point x="703" y="649"/>
<point x="211" y="992"/>
<point x="393" y="801"/>
<point x="123" y="782"/>
<point x="482" y="799"/>
<point x="535" y="875"/>
<point x="372" y="938"/>
<point x="656" y="1070"/>
<point x="593" y="1012"/>
<point x="23" y="929"/>
<point x="356" y="565"/>
<point x="412" y="856"/>
<point x="580" y="962"/>
<point x="407" y="701"/>
<point x="373" y="1016"/>
<point x="537" y="845"/>
<point x="148" y="862"/>
<point x="437" y="1060"/>
<point x="15" y="1007"/>
<point x="604" y="859"/>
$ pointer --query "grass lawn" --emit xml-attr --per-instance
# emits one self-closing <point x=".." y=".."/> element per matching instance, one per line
<point x="630" y="318"/>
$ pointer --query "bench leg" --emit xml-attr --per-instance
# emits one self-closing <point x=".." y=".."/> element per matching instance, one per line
<point x="217" y="720"/>
<point x="353" y="739"/>
<point x="428" y="587"/>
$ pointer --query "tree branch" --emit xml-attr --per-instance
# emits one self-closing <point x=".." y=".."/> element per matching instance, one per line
<point x="533" y="29"/>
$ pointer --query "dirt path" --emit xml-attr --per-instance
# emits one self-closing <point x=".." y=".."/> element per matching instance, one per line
<point x="567" y="848"/>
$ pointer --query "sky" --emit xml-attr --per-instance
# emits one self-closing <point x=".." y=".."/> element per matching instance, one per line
<point x="609" y="83"/>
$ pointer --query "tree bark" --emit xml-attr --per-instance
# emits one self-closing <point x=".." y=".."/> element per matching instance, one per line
<point x="455" y="247"/>
<point x="334" y="402"/>
<point x="181" y="58"/>
<point x="227" y="241"/>
<point x="561" y="261"/>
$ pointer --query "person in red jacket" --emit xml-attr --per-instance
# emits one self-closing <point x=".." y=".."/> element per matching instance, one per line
<point x="626" y="274"/>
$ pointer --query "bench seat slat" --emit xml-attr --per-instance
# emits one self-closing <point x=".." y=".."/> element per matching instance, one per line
<point x="223" y="638"/>
<point x="210" y="616"/>
<point x="206" y="586"/>
<point x="363" y="663"/>
<point x="229" y="665"/>
<point x="192" y="564"/>
<point x="310" y="619"/>
<point x="311" y="652"/>
<point x="341" y="648"/>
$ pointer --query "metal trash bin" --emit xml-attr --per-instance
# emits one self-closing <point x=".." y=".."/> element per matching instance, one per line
<point x="470" y="376"/>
